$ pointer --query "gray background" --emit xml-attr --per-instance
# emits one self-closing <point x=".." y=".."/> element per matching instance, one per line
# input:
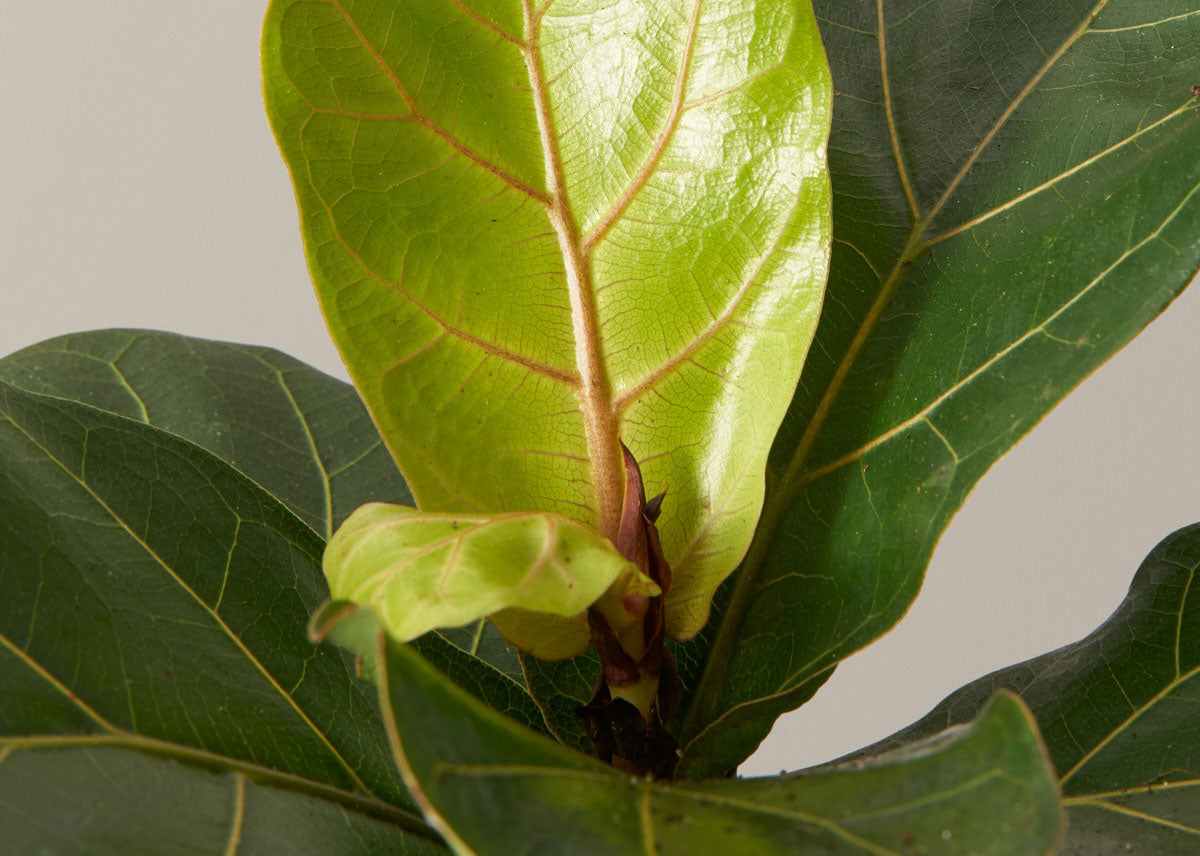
<point x="140" y="187"/>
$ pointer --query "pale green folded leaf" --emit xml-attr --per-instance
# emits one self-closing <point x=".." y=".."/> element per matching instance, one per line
<point x="419" y="571"/>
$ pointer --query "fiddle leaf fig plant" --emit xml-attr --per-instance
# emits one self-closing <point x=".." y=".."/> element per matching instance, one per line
<point x="562" y="234"/>
<point x="678" y="332"/>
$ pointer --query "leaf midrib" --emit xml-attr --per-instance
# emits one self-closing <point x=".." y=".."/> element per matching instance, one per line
<point x="782" y="492"/>
<point x="592" y="383"/>
<point x="1134" y="715"/>
<point x="595" y="392"/>
<point x="1142" y="789"/>
<point x="239" y="815"/>
<point x="1105" y="805"/>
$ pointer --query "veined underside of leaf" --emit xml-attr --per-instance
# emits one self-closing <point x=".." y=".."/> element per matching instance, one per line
<point x="538" y="232"/>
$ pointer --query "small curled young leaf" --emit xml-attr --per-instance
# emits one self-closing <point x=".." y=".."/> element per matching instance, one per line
<point x="418" y="571"/>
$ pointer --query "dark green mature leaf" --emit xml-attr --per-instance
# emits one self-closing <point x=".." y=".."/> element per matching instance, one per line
<point x="301" y="435"/>
<point x="1016" y="194"/>
<point x="1120" y="712"/>
<point x="154" y="595"/>
<point x="495" y="788"/>
<point x="538" y="229"/>
<point x="83" y="796"/>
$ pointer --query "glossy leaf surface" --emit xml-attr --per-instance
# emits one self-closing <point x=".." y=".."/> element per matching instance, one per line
<point x="1120" y="712"/>
<point x="495" y="788"/>
<point x="303" y="436"/>
<point x="1016" y="194"/>
<point x="537" y="232"/>
<point x="85" y="796"/>
<point x="154" y="595"/>
<point x="418" y="571"/>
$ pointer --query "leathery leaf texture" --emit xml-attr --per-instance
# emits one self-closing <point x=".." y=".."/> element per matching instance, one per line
<point x="1016" y="194"/>
<point x="492" y="788"/>
<point x="158" y="693"/>
<point x="301" y="436"/>
<point x="536" y="232"/>
<point x="1120" y="713"/>
<point x="420" y="571"/>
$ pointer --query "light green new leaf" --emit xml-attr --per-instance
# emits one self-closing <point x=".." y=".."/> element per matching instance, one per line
<point x="1120" y="712"/>
<point x="418" y="571"/>
<point x="538" y="232"/>
<point x="1016" y="194"/>
<point x="495" y="789"/>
